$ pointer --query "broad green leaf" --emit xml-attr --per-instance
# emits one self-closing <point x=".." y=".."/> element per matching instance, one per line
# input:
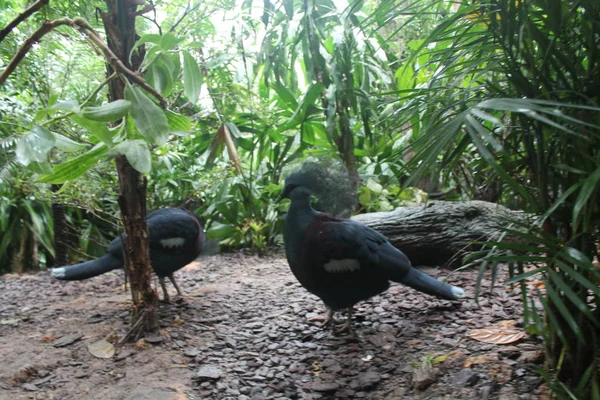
<point x="68" y="105"/>
<point x="148" y="38"/>
<point x="169" y="40"/>
<point x="34" y="146"/>
<point x="220" y="231"/>
<point x="285" y="95"/>
<point x="150" y="119"/>
<point x="192" y="78"/>
<point x="159" y="77"/>
<point x="40" y="168"/>
<point x="178" y="122"/>
<point x="99" y="129"/>
<point x="65" y="144"/>
<point x="108" y="112"/>
<point x="137" y="153"/>
<point x="75" y="167"/>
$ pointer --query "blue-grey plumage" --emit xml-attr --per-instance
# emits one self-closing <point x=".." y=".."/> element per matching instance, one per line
<point x="175" y="238"/>
<point x="344" y="262"/>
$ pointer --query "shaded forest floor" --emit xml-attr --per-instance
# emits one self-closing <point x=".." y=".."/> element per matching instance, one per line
<point x="244" y="331"/>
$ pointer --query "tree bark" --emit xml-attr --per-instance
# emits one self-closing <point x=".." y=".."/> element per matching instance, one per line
<point x="440" y="232"/>
<point x="132" y="201"/>
<point x="119" y="24"/>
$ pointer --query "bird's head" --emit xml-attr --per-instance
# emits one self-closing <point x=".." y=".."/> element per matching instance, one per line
<point x="293" y="191"/>
<point x="328" y="182"/>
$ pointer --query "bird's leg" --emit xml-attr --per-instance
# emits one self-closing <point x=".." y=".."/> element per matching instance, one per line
<point x="326" y="320"/>
<point x="347" y="326"/>
<point x="172" y="279"/>
<point x="329" y="319"/>
<point x="161" y="280"/>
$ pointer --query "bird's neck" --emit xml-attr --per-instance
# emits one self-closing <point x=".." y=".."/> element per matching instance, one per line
<point x="300" y="214"/>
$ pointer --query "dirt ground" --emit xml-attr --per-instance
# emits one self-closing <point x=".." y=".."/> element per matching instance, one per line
<point x="246" y="329"/>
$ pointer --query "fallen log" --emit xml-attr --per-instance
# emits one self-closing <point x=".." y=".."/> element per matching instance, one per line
<point x="441" y="232"/>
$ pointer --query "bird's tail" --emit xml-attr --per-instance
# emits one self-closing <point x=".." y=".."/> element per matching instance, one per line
<point x="400" y="270"/>
<point x="424" y="283"/>
<point x="88" y="269"/>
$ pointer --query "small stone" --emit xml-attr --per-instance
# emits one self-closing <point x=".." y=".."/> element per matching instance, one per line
<point x="423" y="378"/>
<point x="208" y="372"/>
<point x="191" y="352"/>
<point x="81" y="374"/>
<point x="485" y="392"/>
<point x="465" y="377"/>
<point x="325" y="386"/>
<point x="30" y="387"/>
<point x="533" y="357"/>
<point x="42" y="373"/>
<point x="67" y="340"/>
<point x="507" y="393"/>
<point x="124" y="354"/>
<point x="368" y="379"/>
<point x="154" y="339"/>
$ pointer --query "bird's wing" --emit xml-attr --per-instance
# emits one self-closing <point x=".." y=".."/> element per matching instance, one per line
<point x="346" y="245"/>
<point x="172" y="228"/>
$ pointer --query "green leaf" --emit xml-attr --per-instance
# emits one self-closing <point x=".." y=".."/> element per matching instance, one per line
<point x="34" y="146"/>
<point x="159" y="76"/>
<point x="148" y="38"/>
<point x="137" y="154"/>
<point x="284" y="94"/>
<point x="178" y="122"/>
<point x="75" y="167"/>
<point x="99" y="129"/>
<point x="169" y="40"/>
<point x="220" y="231"/>
<point x="150" y="119"/>
<point x="192" y="78"/>
<point x="590" y="187"/>
<point x="108" y="112"/>
<point x="68" y="105"/>
<point x="65" y="144"/>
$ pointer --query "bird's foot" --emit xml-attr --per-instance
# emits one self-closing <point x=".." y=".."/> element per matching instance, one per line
<point x="346" y="327"/>
<point x="325" y="320"/>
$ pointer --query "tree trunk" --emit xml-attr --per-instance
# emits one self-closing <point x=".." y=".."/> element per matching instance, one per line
<point x="119" y="24"/>
<point x="18" y="264"/>
<point x="440" y="232"/>
<point x="132" y="201"/>
<point x="61" y="232"/>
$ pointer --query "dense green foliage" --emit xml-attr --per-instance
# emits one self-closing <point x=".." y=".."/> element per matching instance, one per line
<point x="494" y="100"/>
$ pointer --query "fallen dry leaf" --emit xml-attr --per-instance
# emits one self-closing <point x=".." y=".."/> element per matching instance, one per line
<point x="101" y="349"/>
<point x="141" y="344"/>
<point x="497" y="335"/>
<point x="536" y="283"/>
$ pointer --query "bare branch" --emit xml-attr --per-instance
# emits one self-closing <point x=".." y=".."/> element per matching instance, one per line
<point x="46" y="27"/>
<point x="22" y="17"/>
<point x="83" y="26"/>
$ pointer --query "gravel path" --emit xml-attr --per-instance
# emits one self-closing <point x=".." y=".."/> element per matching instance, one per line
<point x="247" y="330"/>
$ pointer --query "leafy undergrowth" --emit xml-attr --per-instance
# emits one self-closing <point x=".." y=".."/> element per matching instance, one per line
<point x="247" y="330"/>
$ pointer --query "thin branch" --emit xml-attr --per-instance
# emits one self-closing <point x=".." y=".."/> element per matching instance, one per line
<point x="22" y="17"/>
<point x="90" y="97"/>
<point x="187" y="11"/>
<point x="83" y="26"/>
